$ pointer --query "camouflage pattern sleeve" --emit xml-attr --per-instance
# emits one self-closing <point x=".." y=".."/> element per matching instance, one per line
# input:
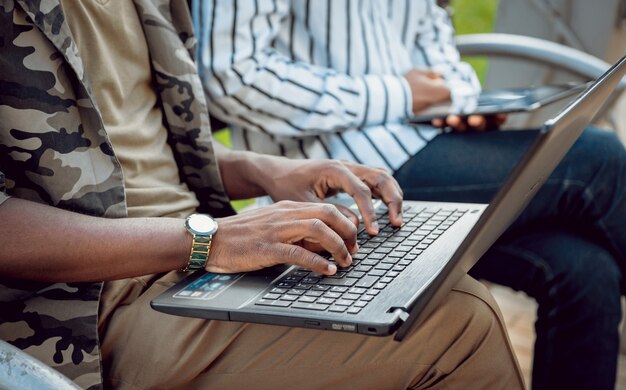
<point x="54" y="150"/>
<point x="182" y="96"/>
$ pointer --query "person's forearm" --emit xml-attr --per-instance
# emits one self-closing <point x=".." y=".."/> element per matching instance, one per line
<point x="244" y="173"/>
<point x="270" y="92"/>
<point x="43" y="243"/>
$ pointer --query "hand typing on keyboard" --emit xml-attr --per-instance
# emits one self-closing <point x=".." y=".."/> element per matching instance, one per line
<point x="289" y="232"/>
<point x="380" y="260"/>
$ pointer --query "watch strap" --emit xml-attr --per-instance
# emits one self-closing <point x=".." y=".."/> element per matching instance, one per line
<point x="200" y="249"/>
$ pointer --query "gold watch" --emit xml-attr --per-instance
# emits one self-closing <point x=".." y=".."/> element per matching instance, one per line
<point x="202" y="228"/>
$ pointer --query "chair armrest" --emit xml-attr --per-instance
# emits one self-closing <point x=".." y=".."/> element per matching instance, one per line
<point x="536" y="50"/>
<point x="18" y="370"/>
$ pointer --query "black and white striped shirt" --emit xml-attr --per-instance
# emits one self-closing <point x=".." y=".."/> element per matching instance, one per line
<point x="323" y="78"/>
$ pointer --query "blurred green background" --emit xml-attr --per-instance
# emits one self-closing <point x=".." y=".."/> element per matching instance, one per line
<point x="469" y="17"/>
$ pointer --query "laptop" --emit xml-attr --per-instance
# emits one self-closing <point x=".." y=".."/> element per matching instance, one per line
<point x="503" y="101"/>
<point x="400" y="276"/>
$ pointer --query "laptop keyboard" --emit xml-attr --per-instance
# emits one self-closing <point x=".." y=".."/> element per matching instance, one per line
<point x="379" y="261"/>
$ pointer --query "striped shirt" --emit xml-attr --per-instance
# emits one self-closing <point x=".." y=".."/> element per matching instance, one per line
<point x="323" y="78"/>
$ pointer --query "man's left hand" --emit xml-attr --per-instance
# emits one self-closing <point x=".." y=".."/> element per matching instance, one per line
<point x="315" y="180"/>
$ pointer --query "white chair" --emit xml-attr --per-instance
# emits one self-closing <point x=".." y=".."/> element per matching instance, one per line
<point x="18" y="370"/>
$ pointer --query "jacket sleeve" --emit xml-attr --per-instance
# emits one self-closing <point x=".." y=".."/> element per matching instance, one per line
<point x="252" y="85"/>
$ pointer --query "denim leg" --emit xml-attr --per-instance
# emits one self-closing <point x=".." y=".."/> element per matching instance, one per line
<point x="587" y="192"/>
<point x="576" y="283"/>
<point x="588" y="187"/>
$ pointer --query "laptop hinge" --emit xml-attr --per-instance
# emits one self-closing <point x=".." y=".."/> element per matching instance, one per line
<point x="400" y="312"/>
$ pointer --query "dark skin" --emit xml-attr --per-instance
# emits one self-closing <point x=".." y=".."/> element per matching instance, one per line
<point x="44" y="243"/>
<point x="428" y="88"/>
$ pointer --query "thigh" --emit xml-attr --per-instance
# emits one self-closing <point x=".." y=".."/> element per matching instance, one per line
<point x="472" y="167"/>
<point x="463" y="167"/>
<point x="557" y="266"/>
<point x="464" y="341"/>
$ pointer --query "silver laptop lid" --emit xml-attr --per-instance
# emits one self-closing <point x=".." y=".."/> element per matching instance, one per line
<point x="555" y="139"/>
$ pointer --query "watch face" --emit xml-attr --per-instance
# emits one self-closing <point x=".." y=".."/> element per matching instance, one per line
<point x="201" y="224"/>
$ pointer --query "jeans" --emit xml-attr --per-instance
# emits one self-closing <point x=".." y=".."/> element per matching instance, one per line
<point x="567" y="249"/>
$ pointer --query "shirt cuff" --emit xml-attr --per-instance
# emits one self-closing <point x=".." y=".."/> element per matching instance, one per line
<point x="384" y="99"/>
<point x="464" y="98"/>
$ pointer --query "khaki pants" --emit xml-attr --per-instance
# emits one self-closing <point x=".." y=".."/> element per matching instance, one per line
<point x="463" y="345"/>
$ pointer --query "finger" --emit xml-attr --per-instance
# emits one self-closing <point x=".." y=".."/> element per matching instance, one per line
<point x="326" y="212"/>
<point x="317" y="232"/>
<point x="477" y="122"/>
<point x="431" y="74"/>
<point x="438" y="122"/>
<point x="343" y="178"/>
<point x="312" y="246"/>
<point x="456" y="122"/>
<point x="385" y="187"/>
<point x="498" y="120"/>
<point x="348" y="214"/>
<point x="461" y="127"/>
<point x="293" y="254"/>
<point x="353" y="248"/>
<point x="453" y="120"/>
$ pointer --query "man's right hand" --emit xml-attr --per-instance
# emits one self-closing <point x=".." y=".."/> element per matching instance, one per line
<point x="284" y="232"/>
<point x="427" y="88"/>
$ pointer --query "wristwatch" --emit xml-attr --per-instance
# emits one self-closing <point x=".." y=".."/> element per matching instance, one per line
<point x="202" y="227"/>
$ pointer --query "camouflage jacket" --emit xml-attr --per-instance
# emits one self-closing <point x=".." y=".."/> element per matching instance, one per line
<point x="54" y="150"/>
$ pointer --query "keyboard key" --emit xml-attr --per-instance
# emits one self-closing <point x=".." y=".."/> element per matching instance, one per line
<point x="354" y="310"/>
<point x="347" y="282"/>
<point x="313" y="293"/>
<point x="363" y="268"/>
<point x="367" y="281"/>
<point x="271" y="296"/>
<point x="309" y="306"/>
<point x="337" y="309"/>
<point x="265" y="302"/>
<point x="307" y="299"/>
<point x="356" y="274"/>
<point x="390" y="260"/>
